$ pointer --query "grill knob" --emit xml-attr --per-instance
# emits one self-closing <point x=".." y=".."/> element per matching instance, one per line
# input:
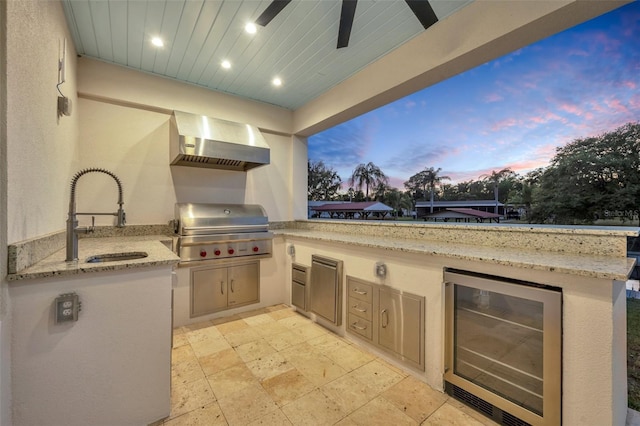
<point x="217" y="252"/>
<point x="231" y="251"/>
<point x="255" y="248"/>
<point x="203" y="253"/>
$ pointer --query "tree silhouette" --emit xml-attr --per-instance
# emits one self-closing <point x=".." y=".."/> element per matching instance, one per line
<point x="368" y="175"/>
<point x="428" y="178"/>
<point x="495" y="178"/>
<point x="322" y="181"/>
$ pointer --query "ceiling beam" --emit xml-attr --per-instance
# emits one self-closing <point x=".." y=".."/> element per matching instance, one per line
<point x="478" y="33"/>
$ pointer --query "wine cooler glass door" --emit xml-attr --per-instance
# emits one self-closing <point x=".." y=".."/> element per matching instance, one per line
<point x="500" y="339"/>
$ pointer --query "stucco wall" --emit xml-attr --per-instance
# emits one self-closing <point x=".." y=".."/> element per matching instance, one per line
<point x="5" y="319"/>
<point x="37" y="150"/>
<point x="41" y="149"/>
<point x="111" y="367"/>
<point x="124" y="127"/>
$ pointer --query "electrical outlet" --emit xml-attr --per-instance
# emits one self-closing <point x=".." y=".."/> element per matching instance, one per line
<point x="381" y="270"/>
<point x="67" y="307"/>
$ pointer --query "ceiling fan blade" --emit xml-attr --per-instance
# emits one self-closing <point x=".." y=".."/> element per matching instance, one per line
<point x="271" y="11"/>
<point x="346" y="22"/>
<point x="423" y="11"/>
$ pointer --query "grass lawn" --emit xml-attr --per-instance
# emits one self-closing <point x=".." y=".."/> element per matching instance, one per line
<point x="633" y="352"/>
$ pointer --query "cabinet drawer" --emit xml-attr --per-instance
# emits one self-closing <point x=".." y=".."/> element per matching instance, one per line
<point x="360" y="290"/>
<point x="360" y="326"/>
<point x="298" y="298"/>
<point x="299" y="276"/>
<point x="360" y="308"/>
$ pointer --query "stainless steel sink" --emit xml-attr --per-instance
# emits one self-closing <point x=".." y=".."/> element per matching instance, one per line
<point x="117" y="257"/>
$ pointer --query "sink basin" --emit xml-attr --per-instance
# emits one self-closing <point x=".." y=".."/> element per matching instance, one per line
<point x="116" y="257"/>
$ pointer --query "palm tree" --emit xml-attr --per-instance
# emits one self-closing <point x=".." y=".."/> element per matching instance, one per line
<point x="368" y="175"/>
<point x="398" y="200"/>
<point x="432" y="179"/>
<point x="495" y="178"/>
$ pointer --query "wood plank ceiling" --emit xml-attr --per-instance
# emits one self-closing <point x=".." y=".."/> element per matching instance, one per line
<point x="298" y="45"/>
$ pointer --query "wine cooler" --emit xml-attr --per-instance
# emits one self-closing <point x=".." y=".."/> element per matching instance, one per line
<point x="503" y="350"/>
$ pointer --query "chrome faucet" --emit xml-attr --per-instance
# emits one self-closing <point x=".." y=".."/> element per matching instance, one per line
<point x="72" y="222"/>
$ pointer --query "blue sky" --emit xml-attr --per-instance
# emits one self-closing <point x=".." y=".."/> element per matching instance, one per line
<point x="511" y="112"/>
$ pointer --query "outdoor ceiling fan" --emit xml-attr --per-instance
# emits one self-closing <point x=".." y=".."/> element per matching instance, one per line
<point x="421" y="8"/>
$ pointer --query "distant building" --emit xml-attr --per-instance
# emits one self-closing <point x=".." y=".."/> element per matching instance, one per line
<point x="423" y="208"/>
<point x="349" y="210"/>
<point x="463" y="215"/>
<point x="311" y="205"/>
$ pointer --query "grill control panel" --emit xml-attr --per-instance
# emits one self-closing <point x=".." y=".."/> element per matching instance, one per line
<point x="225" y="250"/>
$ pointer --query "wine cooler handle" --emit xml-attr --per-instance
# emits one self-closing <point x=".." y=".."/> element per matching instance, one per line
<point x="382" y="315"/>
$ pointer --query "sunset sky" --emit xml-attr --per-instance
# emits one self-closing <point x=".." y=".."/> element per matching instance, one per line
<point x="511" y="112"/>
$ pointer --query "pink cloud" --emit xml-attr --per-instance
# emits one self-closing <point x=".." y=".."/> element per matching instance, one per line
<point x="493" y="97"/>
<point x="546" y="117"/>
<point x="504" y="124"/>
<point x="616" y="105"/>
<point x="629" y="84"/>
<point x="397" y="182"/>
<point x="571" y="109"/>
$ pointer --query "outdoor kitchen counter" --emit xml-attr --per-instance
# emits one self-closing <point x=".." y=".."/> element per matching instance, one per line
<point x="55" y="265"/>
<point x="607" y="267"/>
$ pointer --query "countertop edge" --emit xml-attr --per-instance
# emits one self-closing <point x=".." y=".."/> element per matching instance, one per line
<point x="564" y="263"/>
<point x="56" y="266"/>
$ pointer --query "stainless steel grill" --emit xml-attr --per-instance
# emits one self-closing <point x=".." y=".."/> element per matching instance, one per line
<point x="221" y="231"/>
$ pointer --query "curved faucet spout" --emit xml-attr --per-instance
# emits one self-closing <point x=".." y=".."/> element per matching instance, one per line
<point x="72" y="220"/>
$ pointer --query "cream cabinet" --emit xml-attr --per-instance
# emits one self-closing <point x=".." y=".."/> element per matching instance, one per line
<point x="216" y="288"/>
<point x="389" y="318"/>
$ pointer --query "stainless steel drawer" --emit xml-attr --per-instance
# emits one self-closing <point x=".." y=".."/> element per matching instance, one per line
<point x="360" y="308"/>
<point x="299" y="276"/>
<point x="298" y="298"/>
<point x="359" y="290"/>
<point x="360" y="326"/>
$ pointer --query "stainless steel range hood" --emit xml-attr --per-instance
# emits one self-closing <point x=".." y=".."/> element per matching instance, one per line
<point x="200" y="141"/>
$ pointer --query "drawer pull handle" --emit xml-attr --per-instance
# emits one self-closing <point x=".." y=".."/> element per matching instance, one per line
<point x="221" y="287"/>
<point x="382" y="315"/>
<point x="355" y="290"/>
<point x="359" y="309"/>
<point x="357" y="327"/>
<point x="232" y="289"/>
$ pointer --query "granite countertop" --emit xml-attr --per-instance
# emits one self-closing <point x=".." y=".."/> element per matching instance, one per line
<point x="607" y="267"/>
<point x="55" y="264"/>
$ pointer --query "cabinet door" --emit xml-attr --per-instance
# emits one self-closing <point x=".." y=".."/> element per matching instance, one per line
<point x="244" y="284"/>
<point x="400" y="319"/>
<point x="208" y="291"/>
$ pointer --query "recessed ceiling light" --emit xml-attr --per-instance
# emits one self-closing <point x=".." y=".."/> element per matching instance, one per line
<point x="157" y="41"/>
<point x="277" y="82"/>
<point x="251" y="28"/>
<point x="226" y="64"/>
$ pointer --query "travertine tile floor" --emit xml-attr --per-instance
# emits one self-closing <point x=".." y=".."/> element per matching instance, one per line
<point x="274" y="366"/>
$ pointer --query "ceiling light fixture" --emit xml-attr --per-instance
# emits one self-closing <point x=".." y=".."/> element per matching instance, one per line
<point x="226" y="64"/>
<point x="251" y="28"/>
<point x="277" y="82"/>
<point x="157" y="41"/>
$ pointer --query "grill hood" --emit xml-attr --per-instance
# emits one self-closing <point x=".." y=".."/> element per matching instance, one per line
<point x="200" y="141"/>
